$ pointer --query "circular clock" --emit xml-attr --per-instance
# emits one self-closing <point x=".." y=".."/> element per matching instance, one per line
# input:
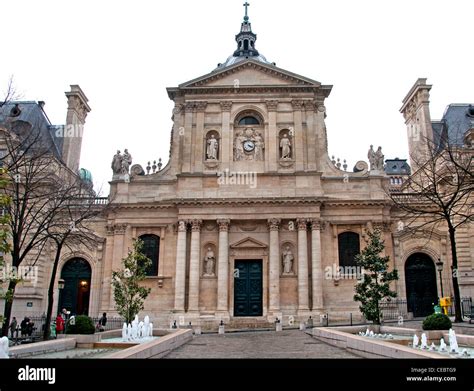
<point x="249" y="146"/>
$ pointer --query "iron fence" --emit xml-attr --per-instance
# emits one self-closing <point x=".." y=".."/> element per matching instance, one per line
<point x="112" y="323"/>
<point x="38" y="324"/>
<point x="394" y="308"/>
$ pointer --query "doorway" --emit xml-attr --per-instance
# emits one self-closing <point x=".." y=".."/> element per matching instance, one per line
<point x="248" y="288"/>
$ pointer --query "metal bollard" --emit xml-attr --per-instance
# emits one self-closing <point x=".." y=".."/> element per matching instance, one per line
<point x="221" y="328"/>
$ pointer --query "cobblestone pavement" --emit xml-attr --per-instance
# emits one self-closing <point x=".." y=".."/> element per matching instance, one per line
<point x="264" y="344"/>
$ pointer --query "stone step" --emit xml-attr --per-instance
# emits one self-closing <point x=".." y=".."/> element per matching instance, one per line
<point x="238" y="324"/>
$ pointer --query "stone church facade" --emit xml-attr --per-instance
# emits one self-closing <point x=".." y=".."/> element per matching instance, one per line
<point x="251" y="219"/>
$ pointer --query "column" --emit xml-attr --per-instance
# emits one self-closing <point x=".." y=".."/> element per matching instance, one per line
<point x="303" y="298"/>
<point x="198" y="154"/>
<point x="107" y="292"/>
<point x="189" y="110"/>
<point x="226" y="147"/>
<point x="312" y="140"/>
<point x="177" y="141"/>
<point x="317" y="274"/>
<point x="298" y="134"/>
<point x="322" y="145"/>
<point x="118" y="253"/>
<point x="195" y="256"/>
<point x="223" y="266"/>
<point x="180" y="275"/>
<point x="274" y="283"/>
<point x="272" y="146"/>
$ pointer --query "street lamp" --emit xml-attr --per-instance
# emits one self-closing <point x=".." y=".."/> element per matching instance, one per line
<point x="61" y="283"/>
<point x="439" y="267"/>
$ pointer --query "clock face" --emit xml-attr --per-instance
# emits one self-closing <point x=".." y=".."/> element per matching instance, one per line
<point x="249" y="146"/>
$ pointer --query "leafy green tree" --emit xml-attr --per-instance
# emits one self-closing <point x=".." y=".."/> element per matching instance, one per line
<point x="375" y="284"/>
<point x="128" y="293"/>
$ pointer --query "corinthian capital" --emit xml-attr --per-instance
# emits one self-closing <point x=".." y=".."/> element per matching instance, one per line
<point x="273" y="224"/>
<point x="189" y="107"/>
<point x="223" y="225"/>
<point x="297" y="104"/>
<point x="302" y="224"/>
<point x="226" y="105"/>
<point x="201" y="106"/>
<point x="182" y="225"/>
<point x="196" y="225"/>
<point x="271" y="104"/>
<point x="317" y="224"/>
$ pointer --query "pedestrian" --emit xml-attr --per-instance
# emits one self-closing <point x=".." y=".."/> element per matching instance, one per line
<point x="24" y="326"/>
<point x="59" y="324"/>
<point x="102" y="322"/>
<point x="13" y="326"/>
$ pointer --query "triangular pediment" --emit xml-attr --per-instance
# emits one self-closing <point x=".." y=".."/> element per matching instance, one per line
<point x="248" y="243"/>
<point x="250" y="73"/>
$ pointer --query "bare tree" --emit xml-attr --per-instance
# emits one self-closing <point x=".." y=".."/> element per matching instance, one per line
<point x="10" y="93"/>
<point x="39" y="181"/>
<point x="440" y="193"/>
<point x="70" y="228"/>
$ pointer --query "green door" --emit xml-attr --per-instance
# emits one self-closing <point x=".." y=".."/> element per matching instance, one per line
<point x="248" y="288"/>
<point x="76" y="274"/>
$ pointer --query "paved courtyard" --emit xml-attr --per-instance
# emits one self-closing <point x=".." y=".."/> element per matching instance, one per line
<point x="263" y="344"/>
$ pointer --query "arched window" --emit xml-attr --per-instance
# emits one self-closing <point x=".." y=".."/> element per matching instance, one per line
<point x="151" y="248"/>
<point x="249" y="120"/>
<point x="349" y="247"/>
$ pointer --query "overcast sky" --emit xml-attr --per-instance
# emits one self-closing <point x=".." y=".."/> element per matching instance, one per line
<point x="125" y="53"/>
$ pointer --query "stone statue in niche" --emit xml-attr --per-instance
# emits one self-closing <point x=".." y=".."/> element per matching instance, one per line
<point x="288" y="259"/>
<point x="285" y="145"/>
<point x="209" y="263"/>
<point x="212" y="148"/>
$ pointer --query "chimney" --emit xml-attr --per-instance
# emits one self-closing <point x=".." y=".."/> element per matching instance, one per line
<point x="77" y="111"/>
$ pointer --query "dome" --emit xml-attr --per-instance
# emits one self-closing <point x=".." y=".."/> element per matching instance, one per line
<point x="245" y="46"/>
<point x="231" y="60"/>
<point x="85" y="175"/>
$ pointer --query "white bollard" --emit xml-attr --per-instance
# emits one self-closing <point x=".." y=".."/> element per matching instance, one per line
<point x="278" y="327"/>
<point x="302" y="326"/>
<point x="221" y="329"/>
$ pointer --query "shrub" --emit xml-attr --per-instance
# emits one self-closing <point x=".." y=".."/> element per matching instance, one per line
<point x="82" y="325"/>
<point x="437" y="322"/>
